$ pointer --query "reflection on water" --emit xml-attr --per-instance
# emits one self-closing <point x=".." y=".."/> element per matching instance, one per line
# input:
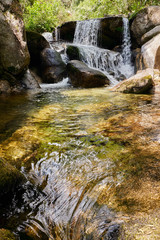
<point x="85" y="154"/>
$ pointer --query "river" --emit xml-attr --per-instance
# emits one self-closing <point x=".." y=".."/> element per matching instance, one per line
<point x="90" y="158"/>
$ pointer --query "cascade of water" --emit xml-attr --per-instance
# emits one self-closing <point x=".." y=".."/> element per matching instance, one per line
<point x="86" y="32"/>
<point x="109" y="62"/>
<point x="57" y="34"/>
<point x="127" y="67"/>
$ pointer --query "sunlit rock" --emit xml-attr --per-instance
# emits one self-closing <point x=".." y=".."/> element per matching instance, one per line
<point x="83" y="76"/>
<point x="142" y="82"/>
<point x="144" y="21"/>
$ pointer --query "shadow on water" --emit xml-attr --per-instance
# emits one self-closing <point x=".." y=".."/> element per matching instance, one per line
<point x="97" y="153"/>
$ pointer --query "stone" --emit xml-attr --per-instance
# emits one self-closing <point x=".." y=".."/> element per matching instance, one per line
<point x="6" y="234"/>
<point x="66" y="31"/>
<point x="157" y="59"/>
<point x="10" y="178"/>
<point x="36" y="43"/>
<point x="29" y="81"/>
<point x="52" y="67"/>
<point x="111" y="32"/>
<point x="83" y="76"/>
<point x="149" y="35"/>
<point x="14" y="55"/>
<point x="149" y="51"/>
<point x="145" y="20"/>
<point x="73" y="52"/>
<point x="111" y="29"/>
<point x="4" y="86"/>
<point x="140" y="83"/>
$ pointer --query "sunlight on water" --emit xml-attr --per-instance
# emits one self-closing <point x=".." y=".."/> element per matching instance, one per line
<point x="85" y="154"/>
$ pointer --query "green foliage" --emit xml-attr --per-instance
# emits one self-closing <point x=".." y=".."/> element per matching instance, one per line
<point x="44" y="15"/>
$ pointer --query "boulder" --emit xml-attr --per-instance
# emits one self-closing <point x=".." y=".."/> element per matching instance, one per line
<point x="145" y="20"/>
<point x="29" y="81"/>
<point x="36" y="43"/>
<point x="83" y="76"/>
<point x="111" y="29"/>
<point x="6" y="234"/>
<point x="140" y="83"/>
<point x="4" y="86"/>
<point x="66" y="31"/>
<point x="149" y="35"/>
<point x="14" y="55"/>
<point x="149" y="51"/>
<point x="157" y="59"/>
<point x="52" y="67"/>
<point x="111" y="32"/>
<point x="10" y="178"/>
<point x="73" y="52"/>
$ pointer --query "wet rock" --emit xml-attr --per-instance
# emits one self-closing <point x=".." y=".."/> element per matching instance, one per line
<point x="145" y="20"/>
<point x="111" y="29"/>
<point x="4" y="86"/>
<point x="14" y="55"/>
<point x="113" y="232"/>
<point x="10" y="178"/>
<point x="66" y="31"/>
<point x="138" y="59"/>
<point x="149" y="51"/>
<point x="52" y="67"/>
<point x="111" y="32"/>
<point x="73" y="52"/>
<point x="6" y="234"/>
<point x="142" y="82"/>
<point x="83" y="76"/>
<point x="29" y="81"/>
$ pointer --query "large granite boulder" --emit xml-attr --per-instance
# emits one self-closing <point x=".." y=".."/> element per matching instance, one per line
<point x="149" y="51"/>
<point x="140" y="83"/>
<point x="111" y="32"/>
<point x="83" y="76"/>
<point x="52" y="67"/>
<point x="149" y="35"/>
<point x="14" y="55"/>
<point x="66" y="31"/>
<point x="36" y="43"/>
<point x="145" y="20"/>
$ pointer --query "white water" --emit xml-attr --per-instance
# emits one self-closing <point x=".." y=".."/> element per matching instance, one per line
<point x="127" y="67"/>
<point x="113" y="64"/>
<point x="86" y="32"/>
<point x="64" y="83"/>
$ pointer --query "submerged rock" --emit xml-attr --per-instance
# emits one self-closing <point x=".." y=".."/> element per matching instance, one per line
<point x="6" y="234"/>
<point x="10" y="178"/>
<point x="83" y="76"/>
<point x="52" y="67"/>
<point x="144" y="21"/>
<point x="142" y="82"/>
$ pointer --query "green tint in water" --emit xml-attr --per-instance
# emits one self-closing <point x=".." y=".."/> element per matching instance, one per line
<point x="86" y="152"/>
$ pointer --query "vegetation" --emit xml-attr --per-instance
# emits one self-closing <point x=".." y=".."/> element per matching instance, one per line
<point x="45" y="15"/>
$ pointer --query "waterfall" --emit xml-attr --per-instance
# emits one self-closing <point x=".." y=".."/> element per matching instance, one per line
<point x="127" y="68"/>
<point x="86" y="32"/>
<point x="57" y="34"/>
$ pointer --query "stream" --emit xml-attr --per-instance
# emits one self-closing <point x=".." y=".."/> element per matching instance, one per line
<point x="87" y="156"/>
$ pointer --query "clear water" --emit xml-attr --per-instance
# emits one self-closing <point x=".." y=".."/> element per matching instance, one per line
<point x="90" y="146"/>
